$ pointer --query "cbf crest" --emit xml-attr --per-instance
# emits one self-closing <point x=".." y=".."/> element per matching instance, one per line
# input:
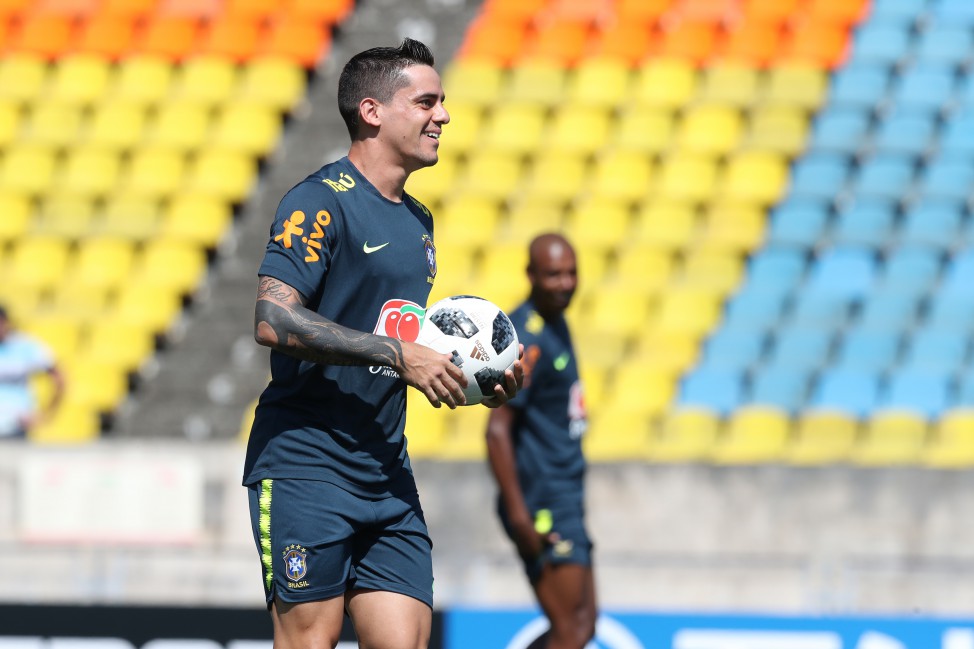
<point x="430" y="254"/>
<point x="296" y="566"/>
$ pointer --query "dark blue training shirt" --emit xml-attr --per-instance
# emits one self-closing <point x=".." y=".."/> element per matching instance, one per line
<point x="366" y="263"/>
<point x="550" y="414"/>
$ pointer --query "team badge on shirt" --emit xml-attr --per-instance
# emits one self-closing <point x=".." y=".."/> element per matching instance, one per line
<point x="296" y="566"/>
<point x="430" y="254"/>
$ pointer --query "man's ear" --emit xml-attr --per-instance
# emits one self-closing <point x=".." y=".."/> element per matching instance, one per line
<point x="368" y="111"/>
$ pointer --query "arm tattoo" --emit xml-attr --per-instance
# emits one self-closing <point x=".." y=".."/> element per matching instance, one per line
<point x="302" y="333"/>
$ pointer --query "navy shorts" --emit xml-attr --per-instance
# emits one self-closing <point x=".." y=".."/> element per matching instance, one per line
<point x="574" y="546"/>
<point x="317" y="541"/>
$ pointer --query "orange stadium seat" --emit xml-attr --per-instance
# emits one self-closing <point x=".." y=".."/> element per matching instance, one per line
<point x="520" y="11"/>
<point x="234" y="38"/>
<point x="300" y="41"/>
<point x="641" y="11"/>
<point x="256" y="10"/>
<point x="170" y="37"/>
<point x="14" y="8"/>
<point x="107" y="36"/>
<point x="202" y="10"/>
<point x="627" y="41"/>
<point x="777" y="11"/>
<point x="821" y="44"/>
<point x="45" y="35"/>
<point x="708" y="10"/>
<point x="494" y="40"/>
<point x="590" y="11"/>
<point x="134" y="9"/>
<point x="564" y="41"/>
<point x="839" y="12"/>
<point x="692" y="41"/>
<point x="70" y="8"/>
<point x="751" y="42"/>
<point x="327" y="12"/>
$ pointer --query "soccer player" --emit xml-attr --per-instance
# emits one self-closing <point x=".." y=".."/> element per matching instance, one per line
<point x="342" y="288"/>
<point x="535" y="454"/>
<point x="21" y="357"/>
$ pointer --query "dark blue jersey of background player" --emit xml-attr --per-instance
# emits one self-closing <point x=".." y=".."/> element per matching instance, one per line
<point x="549" y="417"/>
<point x="367" y="263"/>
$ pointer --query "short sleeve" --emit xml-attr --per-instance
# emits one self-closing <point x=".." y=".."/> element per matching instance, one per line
<point x="302" y="237"/>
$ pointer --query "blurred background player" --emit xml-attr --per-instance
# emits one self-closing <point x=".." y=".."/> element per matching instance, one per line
<point x="535" y="454"/>
<point x="21" y="358"/>
<point x="345" y="277"/>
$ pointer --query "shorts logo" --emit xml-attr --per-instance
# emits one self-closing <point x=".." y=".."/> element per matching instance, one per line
<point x="563" y="548"/>
<point x="295" y="566"/>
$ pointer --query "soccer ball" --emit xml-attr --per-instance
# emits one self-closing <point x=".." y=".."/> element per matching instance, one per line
<point x="480" y="337"/>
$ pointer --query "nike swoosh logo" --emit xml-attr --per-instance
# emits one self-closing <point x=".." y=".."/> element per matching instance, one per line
<point x="367" y="249"/>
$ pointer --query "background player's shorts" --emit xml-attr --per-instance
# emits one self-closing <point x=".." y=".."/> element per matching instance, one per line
<point x="575" y="546"/>
<point x="317" y="541"/>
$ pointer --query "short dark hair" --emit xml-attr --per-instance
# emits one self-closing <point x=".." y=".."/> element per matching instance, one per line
<point x="377" y="73"/>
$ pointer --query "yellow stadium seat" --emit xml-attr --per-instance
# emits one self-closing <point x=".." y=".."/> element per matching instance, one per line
<point x="52" y="125"/>
<point x="505" y="260"/>
<point x="777" y="129"/>
<point x="22" y="77"/>
<point x="593" y="378"/>
<point x="143" y="80"/>
<point x="711" y="270"/>
<point x="644" y="130"/>
<point x="89" y="172"/>
<point x="636" y="389"/>
<point x="155" y="310"/>
<point x="170" y="266"/>
<point x="729" y="83"/>
<point x="424" y="426"/>
<point x="599" y="223"/>
<point x="17" y="214"/>
<point x="78" y="80"/>
<point x="92" y="383"/>
<point x="180" y="126"/>
<point x="116" y="126"/>
<point x="669" y="224"/>
<point x="9" y="123"/>
<point x="129" y="215"/>
<point x="822" y="437"/>
<point x="754" y="176"/>
<point x="555" y="175"/>
<point x="692" y="310"/>
<point x="952" y="443"/>
<point x="538" y="81"/>
<point x="615" y="311"/>
<point x="732" y="226"/>
<point x="70" y="424"/>
<point x="514" y="128"/>
<point x="685" y="435"/>
<point x="275" y="82"/>
<point x="431" y="184"/>
<point x="491" y="174"/>
<point x="687" y="177"/>
<point x="664" y="83"/>
<point x="599" y="81"/>
<point x="593" y="264"/>
<point x="64" y="216"/>
<point x="154" y="173"/>
<point x="207" y="80"/>
<point x="753" y="435"/>
<point x="529" y="217"/>
<point x="796" y="85"/>
<point x="578" y="129"/>
<point x="643" y="265"/>
<point x="199" y="220"/>
<point x="464" y="438"/>
<point x="103" y="261"/>
<point x="614" y="436"/>
<point x="670" y="351"/>
<point x="248" y="128"/>
<point x="80" y="302"/>
<point x="37" y="262"/>
<point x="622" y="175"/>
<point x="60" y="333"/>
<point x="466" y="221"/>
<point x="125" y="346"/>
<point x="891" y="437"/>
<point x="224" y="174"/>
<point x="473" y="81"/>
<point x="709" y="130"/>
<point x="463" y="131"/>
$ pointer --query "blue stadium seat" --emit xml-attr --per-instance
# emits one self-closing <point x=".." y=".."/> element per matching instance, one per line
<point x="776" y="268"/>
<point x="798" y="222"/>
<point x="784" y="387"/>
<point x="951" y="309"/>
<point x="925" y="86"/>
<point x="948" y="176"/>
<point x="865" y="222"/>
<point x="735" y="349"/>
<point x="819" y="176"/>
<point x="959" y="277"/>
<point x="932" y="223"/>
<point x="720" y="391"/>
<point x="888" y="309"/>
<point x="936" y="350"/>
<point x="867" y="349"/>
<point x="904" y="11"/>
<point x="966" y="95"/>
<point x="923" y="392"/>
<point x="819" y="309"/>
<point x="957" y="12"/>
<point x="885" y="43"/>
<point x="911" y="270"/>
<point x="859" y="86"/>
<point x="906" y="131"/>
<point x="800" y="348"/>
<point x="884" y="176"/>
<point x="944" y="42"/>
<point x="839" y="130"/>
<point x="956" y="136"/>
<point x="755" y="308"/>
<point x="853" y="392"/>
<point x="965" y="388"/>
<point x="847" y="272"/>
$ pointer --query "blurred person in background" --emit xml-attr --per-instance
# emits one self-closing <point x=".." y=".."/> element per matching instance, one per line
<point x="21" y="358"/>
<point x="535" y="453"/>
<point x="342" y="288"/>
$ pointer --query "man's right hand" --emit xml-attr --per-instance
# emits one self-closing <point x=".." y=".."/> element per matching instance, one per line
<point x="433" y="374"/>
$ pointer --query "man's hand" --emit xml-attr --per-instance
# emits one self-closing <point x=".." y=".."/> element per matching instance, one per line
<point x="433" y="374"/>
<point x="513" y="381"/>
<point x="530" y="542"/>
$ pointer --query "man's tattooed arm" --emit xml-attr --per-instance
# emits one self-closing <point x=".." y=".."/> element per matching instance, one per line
<point x="282" y="322"/>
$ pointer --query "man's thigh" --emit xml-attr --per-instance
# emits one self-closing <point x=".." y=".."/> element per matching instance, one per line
<point x="385" y="620"/>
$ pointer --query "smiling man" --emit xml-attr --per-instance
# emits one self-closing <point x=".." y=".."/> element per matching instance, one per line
<point x="341" y="295"/>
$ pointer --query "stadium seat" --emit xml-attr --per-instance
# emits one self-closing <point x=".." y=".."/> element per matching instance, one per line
<point x="89" y="172"/>
<point x="901" y="11"/>
<point x="944" y="43"/>
<point x="170" y="266"/>
<point x="272" y="81"/>
<point x="950" y="309"/>
<point x="114" y="125"/>
<point x="946" y="177"/>
<point x="643" y="266"/>
<point x="491" y="174"/>
<point x="693" y="311"/>
<point x="752" y="42"/>
<point x="709" y="130"/>
<point x="732" y="84"/>
<point x="821" y="44"/>
<point x="819" y="176"/>
<point x="736" y="350"/>
<point x="721" y="391"/>
<point x="784" y="387"/>
<point x="107" y="36"/>
<point x="664" y="83"/>
<point x="799" y="222"/>
<point x="23" y="77"/>
<point x="753" y="435"/>
<point x="867" y="222"/>
<point x="936" y="352"/>
<point x="513" y="128"/>
<point x="853" y="392"/>
<point x="847" y="272"/>
<point x="62" y="335"/>
<point x="800" y="347"/>
<point x="691" y="40"/>
<point x="687" y="177"/>
<point x="154" y="173"/>
<point x="755" y="307"/>
<point x="862" y="87"/>
<point x="911" y="270"/>
<point x="229" y="36"/>
<point x="618" y="175"/>
<point x="45" y="35"/>
<point x="78" y="80"/>
<point x="665" y="224"/>
<point x="70" y="424"/>
<point x="561" y="39"/>
<point x="685" y="435"/>
<point x="615" y="312"/>
<point x="822" y="437"/>
<point x="156" y="311"/>
<point x="672" y="351"/>
<point x="798" y="85"/>
<point x="881" y="43"/>
<point x="95" y="384"/>
<point x="63" y="215"/>
<point x="601" y="223"/>
<point x="884" y="176"/>
<point x="716" y="271"/>
<point x="37" y="262"/>
<point x="17" y="213"/>
<point x="776" y="267"/>
<point x="932" y="222"/>
<point x="617" y="436"/>
<point x="52" y="125"/>
<point x="205" y="80"/>
<point x="129" y="215"/>
<point x="840" y="130"/>
<point x="424" y="426"/>
<point x="908" y="132"/>
<point x="924" y="86"/>
<point x="951" y="443"/>
<point x="868" y="350"/>
<point x="535" y="81"/>
<point x="890" y="438"/>
<point x="246" y="128"/>
<point x="102" y="261"/>
<point x="641" y="392"/>
<point x="952" y="12"/>
<point x="102" y="344"/>
<point x="200" y="221"/>
<point x="170" y="37"/>
<point x="646" y="131"/>
<point x="955" y="139"/>
<point x="577" y="129"/>
<point x="600" y="82"/>
<point x="224" y="174"/>
<point x="753" y="177"/>
<point x="776" y="129"/>
<point x="888" y="308"/>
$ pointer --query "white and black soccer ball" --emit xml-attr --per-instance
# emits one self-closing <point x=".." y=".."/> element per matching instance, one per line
<point x="480" y="337"/>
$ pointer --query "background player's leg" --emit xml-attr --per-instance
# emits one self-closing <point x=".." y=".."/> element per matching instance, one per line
<point x="385" y="620"/>
<point x="308" y="625"/>
<point x="566" y="594"/>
